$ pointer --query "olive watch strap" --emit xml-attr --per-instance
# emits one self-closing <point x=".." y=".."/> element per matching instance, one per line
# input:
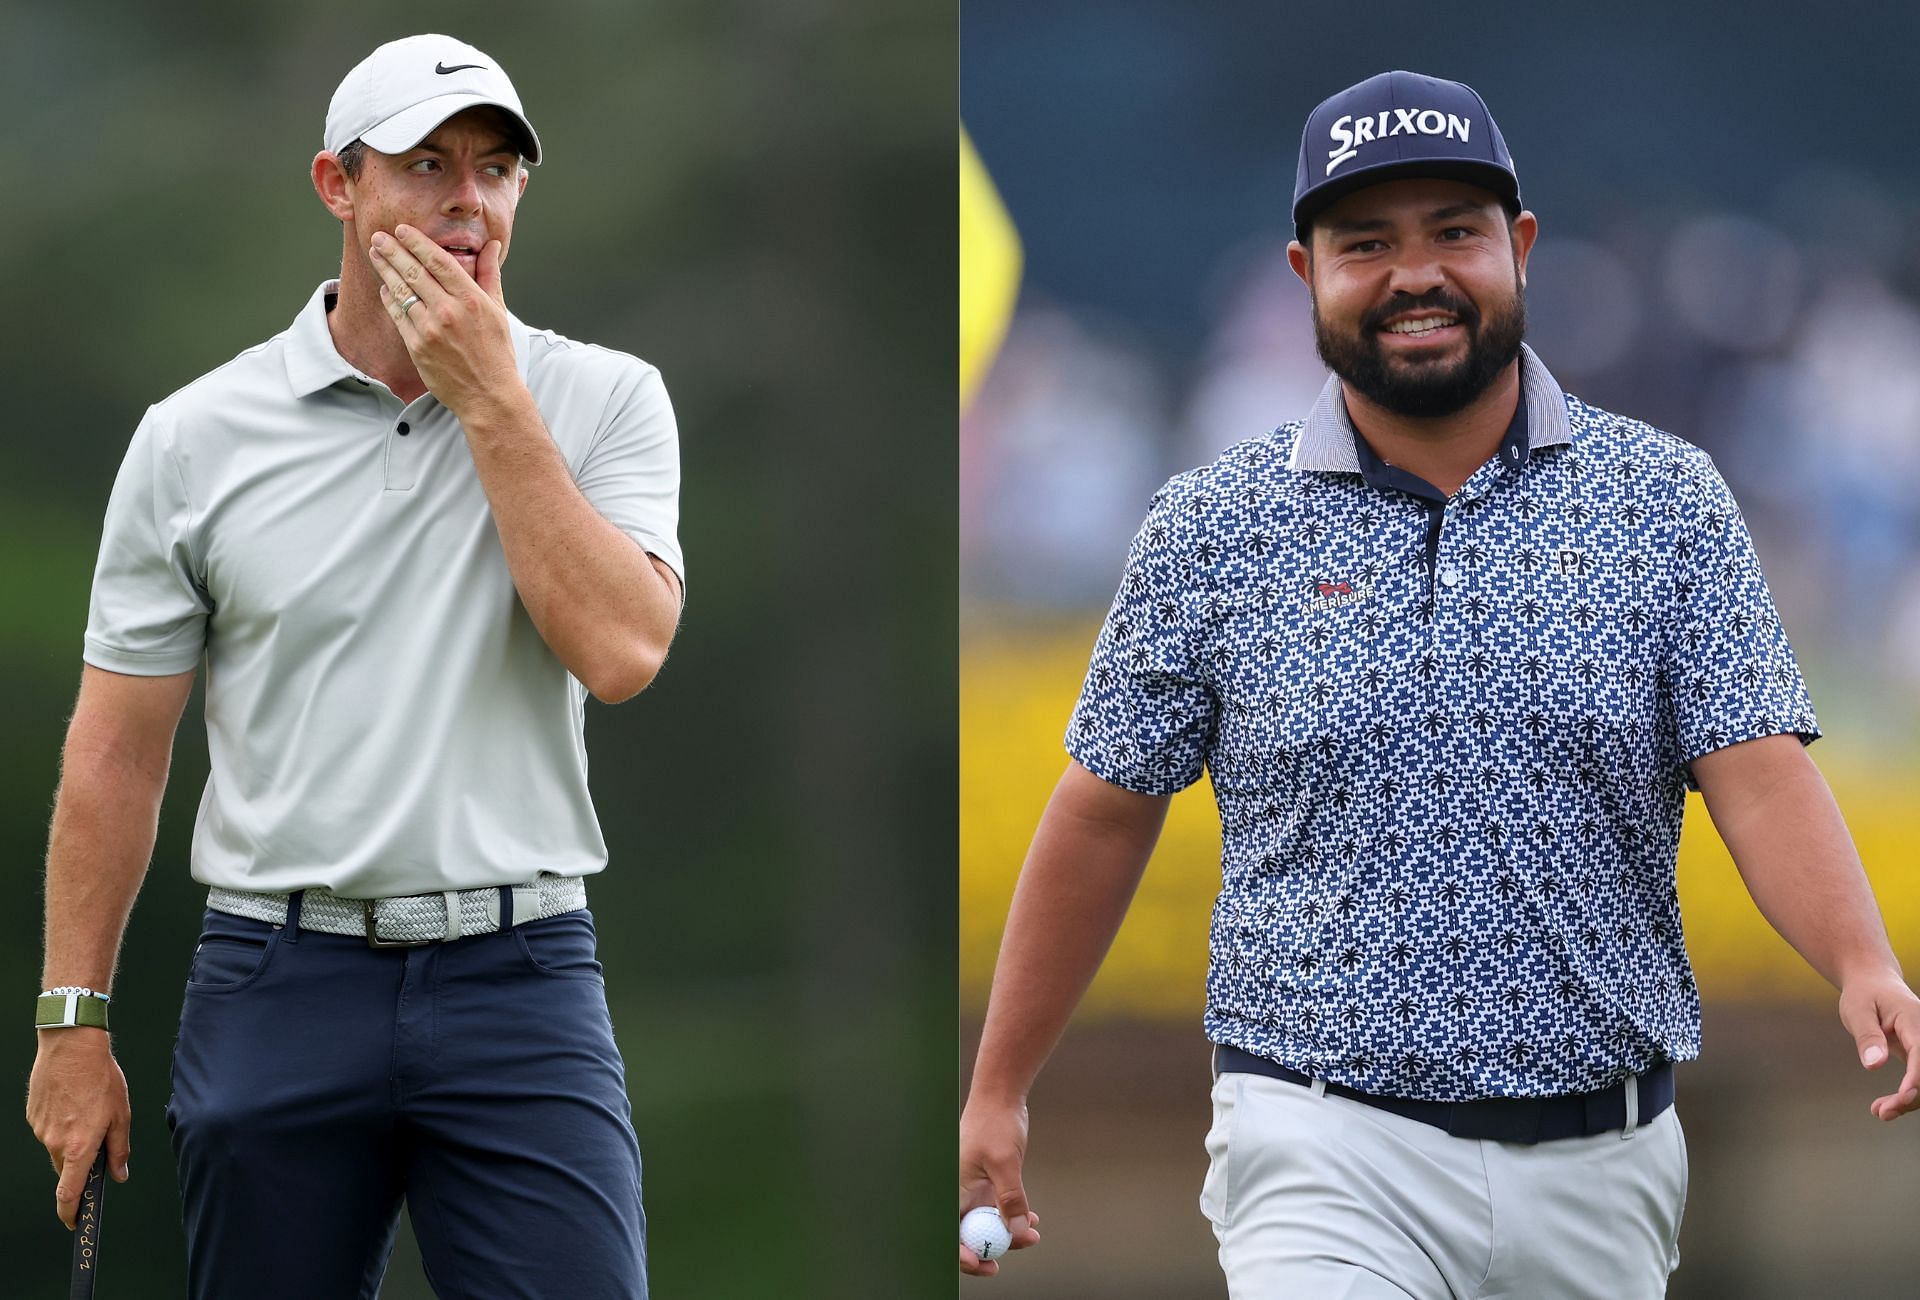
<point x="68" y="1007"/>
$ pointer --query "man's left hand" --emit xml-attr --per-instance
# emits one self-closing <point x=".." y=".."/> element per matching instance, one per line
<point x="457" y="333"/>
<point x="1874" y="1009"/>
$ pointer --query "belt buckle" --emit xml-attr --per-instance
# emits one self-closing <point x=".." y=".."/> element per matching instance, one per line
<point x="373" y="935"/>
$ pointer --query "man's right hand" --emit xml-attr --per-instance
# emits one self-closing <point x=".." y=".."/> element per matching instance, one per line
<point x="1086" y="860"/>
<point x="76" y="1101"/>
<point x="993" y="1145"/>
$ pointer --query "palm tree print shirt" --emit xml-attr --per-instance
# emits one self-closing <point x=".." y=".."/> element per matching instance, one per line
<point x="1448" y="738"/>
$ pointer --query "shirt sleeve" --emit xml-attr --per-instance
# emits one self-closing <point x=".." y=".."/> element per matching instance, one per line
<point x="631" y="474"/>
<point x="1146" y="712"/>
<point x="1731" y="671"/>
<point x="148" y="613"/>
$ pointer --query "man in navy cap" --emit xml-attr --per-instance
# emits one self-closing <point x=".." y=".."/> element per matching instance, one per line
<point x="1452" y="650"/>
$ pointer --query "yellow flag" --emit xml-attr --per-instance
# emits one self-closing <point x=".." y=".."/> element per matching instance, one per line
<point x="989" y="270"/>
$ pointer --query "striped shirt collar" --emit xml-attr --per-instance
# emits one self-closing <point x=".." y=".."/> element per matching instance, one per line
<point x="1328" y="439"/>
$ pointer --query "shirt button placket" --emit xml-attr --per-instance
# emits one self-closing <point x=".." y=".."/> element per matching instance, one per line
<point x="405" y="445"/>
<point x="1448" y="633"/>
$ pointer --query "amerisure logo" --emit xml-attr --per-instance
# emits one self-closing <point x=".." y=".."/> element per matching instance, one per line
<point x="1350" y="132"/>
<point x="1330" y="593"/>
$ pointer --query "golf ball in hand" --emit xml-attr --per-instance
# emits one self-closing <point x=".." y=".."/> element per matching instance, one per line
<point x="985" y="1233"/>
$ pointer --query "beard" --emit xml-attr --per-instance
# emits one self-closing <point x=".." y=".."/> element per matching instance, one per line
<point x="1413" y="386"/>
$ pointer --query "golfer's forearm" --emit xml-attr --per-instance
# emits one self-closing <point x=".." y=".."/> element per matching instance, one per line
<point x="104" y="821"/>
<point x="112" y="774"/>
<point x="1786" y="835"/>
<point x="604" y="606"/>
<point x="1086" y="860"/>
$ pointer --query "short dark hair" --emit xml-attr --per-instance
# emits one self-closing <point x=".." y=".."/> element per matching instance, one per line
<point x="353" y="157"/>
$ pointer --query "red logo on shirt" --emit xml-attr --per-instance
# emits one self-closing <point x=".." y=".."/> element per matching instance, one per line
<point x="1330" y="593"/>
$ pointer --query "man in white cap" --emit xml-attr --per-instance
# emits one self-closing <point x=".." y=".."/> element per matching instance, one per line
<point x="407" y="537"/>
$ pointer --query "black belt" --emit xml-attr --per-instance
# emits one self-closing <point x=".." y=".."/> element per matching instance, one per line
<point x="1499" y="1119"/>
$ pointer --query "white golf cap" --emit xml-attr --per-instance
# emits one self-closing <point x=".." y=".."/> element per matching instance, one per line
<point x="395" y="97"/>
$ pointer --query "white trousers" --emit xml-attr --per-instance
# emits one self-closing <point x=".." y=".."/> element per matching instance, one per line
<point x="1324" y="1198"/>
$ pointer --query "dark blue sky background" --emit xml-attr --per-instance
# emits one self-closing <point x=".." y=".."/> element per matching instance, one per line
<point x="1136" y="141"/>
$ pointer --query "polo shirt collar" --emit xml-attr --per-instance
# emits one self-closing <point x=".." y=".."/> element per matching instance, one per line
<point x="1328" y="440"/>
<point x="313" y="363"/>
<point x="1514" y="452"/>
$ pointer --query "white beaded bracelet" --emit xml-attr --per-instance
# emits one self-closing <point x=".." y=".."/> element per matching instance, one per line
<point x="84" y="992"/>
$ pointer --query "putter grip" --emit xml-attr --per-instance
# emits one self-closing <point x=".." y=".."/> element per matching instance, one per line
<point x="86" y="1230"/>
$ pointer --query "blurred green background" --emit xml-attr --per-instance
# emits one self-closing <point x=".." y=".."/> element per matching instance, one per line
<point x="758" y="197"/>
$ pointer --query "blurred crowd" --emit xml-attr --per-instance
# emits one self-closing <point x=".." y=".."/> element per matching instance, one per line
<point x="1786" y="342"/>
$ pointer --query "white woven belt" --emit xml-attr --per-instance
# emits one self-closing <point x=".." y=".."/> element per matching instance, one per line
<point x="414" y="918"/>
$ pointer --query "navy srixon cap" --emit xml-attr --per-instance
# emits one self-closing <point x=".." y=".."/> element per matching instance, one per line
<point x="1396" y="125"/>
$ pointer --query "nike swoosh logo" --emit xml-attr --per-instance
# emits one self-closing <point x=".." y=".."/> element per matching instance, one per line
<point x="443" y="69"/>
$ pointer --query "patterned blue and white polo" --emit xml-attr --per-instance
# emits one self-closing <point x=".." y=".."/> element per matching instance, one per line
<point x="1449" y="739"/>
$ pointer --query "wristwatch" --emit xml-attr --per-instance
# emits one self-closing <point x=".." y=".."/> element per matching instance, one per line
<point x="71" y="1006"/>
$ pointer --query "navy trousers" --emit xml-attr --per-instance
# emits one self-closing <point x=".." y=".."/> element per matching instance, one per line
<point x="319" y="1084"/>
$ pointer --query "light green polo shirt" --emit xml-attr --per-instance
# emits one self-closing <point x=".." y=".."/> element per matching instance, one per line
<point x="382" y="716"/>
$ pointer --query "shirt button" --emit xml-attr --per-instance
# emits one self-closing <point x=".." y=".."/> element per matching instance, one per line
<point x="1449" y="577"/>
<point x="403" y="433"/>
